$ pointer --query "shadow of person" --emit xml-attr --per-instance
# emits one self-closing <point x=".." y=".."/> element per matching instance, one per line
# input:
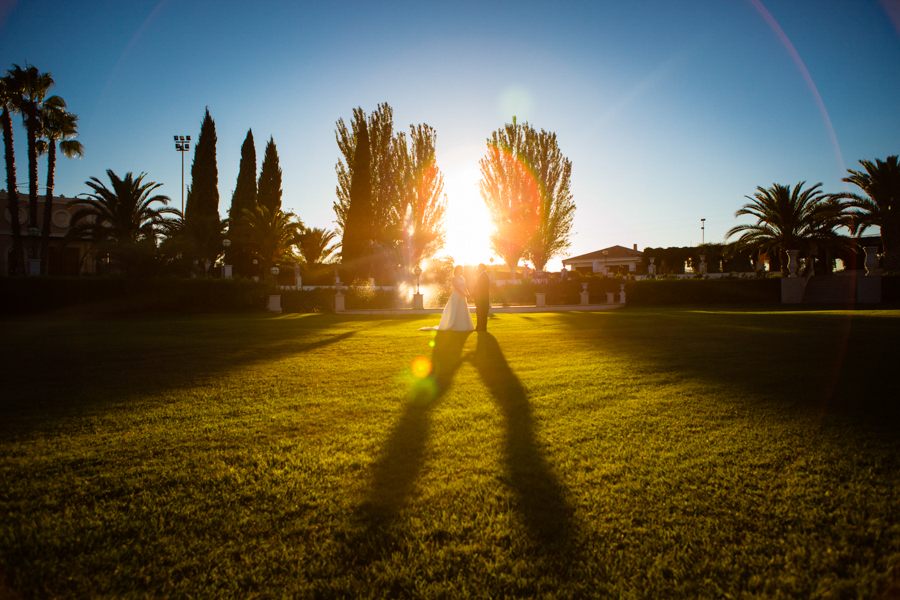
<point x="540" y="499"/>
<point x="400" y="462"/>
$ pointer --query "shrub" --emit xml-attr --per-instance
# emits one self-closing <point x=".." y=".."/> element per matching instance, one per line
<point x="558" y="292"/>
<point x="703" y="291"/>
<point x="363" y="297"/>
<point x="890" y="288"/>
<point x="307" y="301"/>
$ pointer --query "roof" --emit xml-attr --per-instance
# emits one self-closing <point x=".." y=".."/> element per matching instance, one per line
<point x="613" y="252"/>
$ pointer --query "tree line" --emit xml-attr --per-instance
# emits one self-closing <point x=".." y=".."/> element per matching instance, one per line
<point x="48" y="126"/>
<point x="810" y="220"/>
<point x="390" y="206"/>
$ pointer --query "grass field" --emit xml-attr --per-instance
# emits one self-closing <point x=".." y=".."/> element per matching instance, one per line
<point x="635" y="453"/>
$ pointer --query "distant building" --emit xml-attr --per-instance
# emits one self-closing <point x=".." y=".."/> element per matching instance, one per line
<point x="69" y="261"/>
<point x="615" y="259"/>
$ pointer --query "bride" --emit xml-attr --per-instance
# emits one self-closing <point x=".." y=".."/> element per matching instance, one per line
<point x="456" y="315"/>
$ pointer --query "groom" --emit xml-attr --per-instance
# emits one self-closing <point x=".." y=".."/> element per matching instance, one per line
<point x="482" y="296"/>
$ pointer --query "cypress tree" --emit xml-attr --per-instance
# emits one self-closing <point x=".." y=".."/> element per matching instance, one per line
<point x="269" y="188"/>
<point x="359" y="228"/>
<point x="204" y="199"/>
<point x="244" y="197"/>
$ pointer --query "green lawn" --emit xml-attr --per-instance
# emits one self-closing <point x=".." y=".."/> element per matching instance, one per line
<point x="669" y="453"/>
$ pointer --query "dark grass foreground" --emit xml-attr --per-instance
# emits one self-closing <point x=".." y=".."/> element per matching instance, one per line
<point x="673" y="453"/>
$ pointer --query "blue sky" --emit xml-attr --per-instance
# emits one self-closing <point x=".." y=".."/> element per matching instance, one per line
<point x="670" y="111"/>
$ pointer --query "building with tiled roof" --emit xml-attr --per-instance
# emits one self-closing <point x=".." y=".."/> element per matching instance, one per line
<point x="615" y="258"/>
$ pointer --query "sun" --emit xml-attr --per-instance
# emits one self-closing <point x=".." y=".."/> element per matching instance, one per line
<point x="467" y="219"/>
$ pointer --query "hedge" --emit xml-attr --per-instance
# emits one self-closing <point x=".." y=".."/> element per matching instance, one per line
<point x="890" y="288"/>
<point x="656" y="292"/>
<point x="24" y="295"/>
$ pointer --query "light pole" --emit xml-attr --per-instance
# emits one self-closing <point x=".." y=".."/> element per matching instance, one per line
<point x="702" y="231"/>
<point x="182" y="144"/>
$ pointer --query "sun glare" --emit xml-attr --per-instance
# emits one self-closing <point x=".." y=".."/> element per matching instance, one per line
<point x="467" y="218"/>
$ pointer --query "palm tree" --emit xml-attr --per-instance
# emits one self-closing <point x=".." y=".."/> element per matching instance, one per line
<point x="30" y="87"/>
<point x="121" y="222"/>
<point x="7" y="91"/>
<point x="57" y="125"/>
<point x="313" y="246"/>
<point x="880" y="206"/>
<point x="196" y="241"/>
<point x="271" y="235"/>
<point x="797" y="219"/>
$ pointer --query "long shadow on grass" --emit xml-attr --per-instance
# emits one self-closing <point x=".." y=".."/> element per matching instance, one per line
<point x="830" y="365"/>
<point x="102" y="362"/>
<point x="401" y="461"/>
<point x="539" y="494"/>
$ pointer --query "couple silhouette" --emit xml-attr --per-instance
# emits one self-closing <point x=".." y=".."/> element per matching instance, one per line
<point x="456" y="315"/>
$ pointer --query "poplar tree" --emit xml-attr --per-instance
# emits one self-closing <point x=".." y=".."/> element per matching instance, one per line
<point x="424" y="202"/>
<point x="387" y="161"/>
<point x="203" y="199"/>
<point x="244" y="197"/>
<point x="269" y="187"/>
<point x="556" y="211"/>
<point x="525" y="185"/>
<point x="359" y="227"/>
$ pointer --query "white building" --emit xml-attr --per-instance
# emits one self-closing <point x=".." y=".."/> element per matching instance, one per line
<point x="615" y="259"/>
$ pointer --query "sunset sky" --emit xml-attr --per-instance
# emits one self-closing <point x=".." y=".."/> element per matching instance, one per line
<point x="670" y="111"/>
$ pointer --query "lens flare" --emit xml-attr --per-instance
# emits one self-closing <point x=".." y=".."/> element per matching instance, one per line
<point x="421" y="367"/>
<point x="512" y="188"/>
<point x="431" y="343"/>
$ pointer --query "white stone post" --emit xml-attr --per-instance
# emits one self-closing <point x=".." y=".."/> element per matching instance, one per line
<point x="540" y="299"/>
<point x="621" y="293"/>
<point x="275" y="303"/>
<point x="418" y="302"/>
<point x="339" y="301"/>
<point x="585" y="297"/>
<point x="703" y="264"/>
<point x="792" y="262"/>
<point x="651" y="269"/>
<point x="227" y="271"/>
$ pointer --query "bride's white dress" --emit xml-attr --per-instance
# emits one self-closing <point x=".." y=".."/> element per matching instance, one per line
<point x="456" y="315"/>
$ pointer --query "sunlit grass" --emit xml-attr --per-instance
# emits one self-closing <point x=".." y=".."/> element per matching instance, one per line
<point x="637" y="453"/>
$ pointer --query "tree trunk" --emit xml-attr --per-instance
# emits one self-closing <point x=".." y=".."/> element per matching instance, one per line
<point x="48" y="209"/>
<point x="17" y="262"/>
<point x="31" y="127"/>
